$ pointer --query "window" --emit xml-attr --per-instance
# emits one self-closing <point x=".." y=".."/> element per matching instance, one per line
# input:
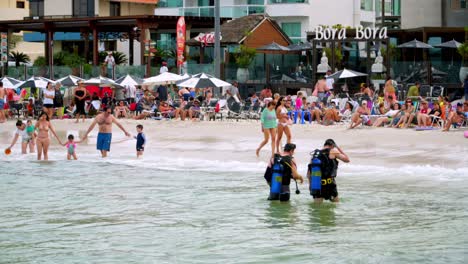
<point x="36" y="8"/>
<point x="463" y="3"/>
<point x="170" y="3"/>
<point x="205" y="2"/>
<point x="20" y="4"/>
<point x="367" y="5"/>
<point x="293" y="30"/>
<point x="83" y="8"/>
<point x="114" y="9"/>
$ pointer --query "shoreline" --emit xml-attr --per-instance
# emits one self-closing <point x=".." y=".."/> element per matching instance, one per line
<point x="237" y="141"/>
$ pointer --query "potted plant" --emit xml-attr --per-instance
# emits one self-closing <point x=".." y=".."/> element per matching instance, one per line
<point x="463" y="51"/>
<point x="244" y="58"/>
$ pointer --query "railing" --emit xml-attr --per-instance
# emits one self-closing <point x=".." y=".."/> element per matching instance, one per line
<point x="288" y="1"/>
<point x="441" y="71"/>
<point x="225" y="11"/>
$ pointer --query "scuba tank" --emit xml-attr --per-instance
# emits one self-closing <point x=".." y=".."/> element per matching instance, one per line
<point x="315" y="173"/>
<point x="276" y="178"/>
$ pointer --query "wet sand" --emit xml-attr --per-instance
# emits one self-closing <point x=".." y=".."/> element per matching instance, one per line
<point x="237" y="141"/>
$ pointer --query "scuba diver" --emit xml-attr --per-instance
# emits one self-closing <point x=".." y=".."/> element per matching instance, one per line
<point x="322" y="171"/>
<point x="279" y="173"/>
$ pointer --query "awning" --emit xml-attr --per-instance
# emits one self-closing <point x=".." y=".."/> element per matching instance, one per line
<point x="153" y="2"/>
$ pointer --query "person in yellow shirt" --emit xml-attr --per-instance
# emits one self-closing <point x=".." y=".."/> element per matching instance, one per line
<point x="413" y="91"/>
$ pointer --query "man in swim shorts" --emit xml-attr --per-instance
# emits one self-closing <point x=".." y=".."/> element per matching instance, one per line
<point x="104" y="121"/>
<point x="2" y="103"/>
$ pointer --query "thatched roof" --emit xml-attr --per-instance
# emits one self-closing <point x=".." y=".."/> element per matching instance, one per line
<point x="235" y="31"/>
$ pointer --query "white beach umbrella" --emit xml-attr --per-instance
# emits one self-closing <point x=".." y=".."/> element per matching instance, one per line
<point x="203" y="80"/>
<point x="129" y="80"/>
<point x="163" y="78"/>
<point x="9" y="82"/>
<point x="345" y="73"/>
<point x="69" y="80"/>
<point x="101" y="82"/>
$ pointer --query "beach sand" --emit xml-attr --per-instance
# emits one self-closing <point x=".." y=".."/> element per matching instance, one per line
<point x="235" y="142"/>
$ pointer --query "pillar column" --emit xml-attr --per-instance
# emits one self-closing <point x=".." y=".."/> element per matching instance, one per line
<point x="95" y="46"/>
<point x="131" y="37"/>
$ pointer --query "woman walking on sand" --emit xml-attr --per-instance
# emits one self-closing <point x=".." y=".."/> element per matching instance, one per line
<point x="269" y="125"/>
<point x="283" y="122"/>
<point x="43" y="126"/>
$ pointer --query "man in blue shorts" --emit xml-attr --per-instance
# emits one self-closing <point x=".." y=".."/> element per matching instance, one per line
<point x="104" y="121"/>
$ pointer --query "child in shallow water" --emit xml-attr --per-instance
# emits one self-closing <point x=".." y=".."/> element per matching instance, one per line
<point x="32" y="135"/>
<point x="71" y="146"/>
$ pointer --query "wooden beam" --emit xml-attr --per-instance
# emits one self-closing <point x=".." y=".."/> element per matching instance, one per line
<point x="95" y="46"/>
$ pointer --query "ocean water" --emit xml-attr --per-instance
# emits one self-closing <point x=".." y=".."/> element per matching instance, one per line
<point x="193" y="210"/>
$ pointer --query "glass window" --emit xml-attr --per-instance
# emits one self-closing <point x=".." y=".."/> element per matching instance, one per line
<point x="170" y="3"/>
<point x="367" y="5"/>
<point x="396" y="11"/>
<point x="293" y="30"/>
<point x="36" y="8"/>
<point x="205" y="2"/>
<point x="83" y="7"/>
<point x="114" y="9"/>
<point x="256" y="2"/>
<point x="19" y="4"/>
<point x="463" y="3"/>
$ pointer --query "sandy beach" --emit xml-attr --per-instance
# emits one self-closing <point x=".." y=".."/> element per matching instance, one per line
<point x="232" y="141"/>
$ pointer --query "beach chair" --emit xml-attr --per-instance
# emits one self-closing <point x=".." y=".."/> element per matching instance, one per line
<point x="234" y="109"/>
<point x="221" y="109"/>
<point x="425" y="90"/>
<point x="255" y="111"/>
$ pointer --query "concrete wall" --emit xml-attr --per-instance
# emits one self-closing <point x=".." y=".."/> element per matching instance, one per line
<point x="127" y="9"/>
<point x="12" y="4"/>
<point x="58" y="8"/>
<point x="454" y="17"/>
<point x="414" y="14"/>
<point x="122" y="46"/>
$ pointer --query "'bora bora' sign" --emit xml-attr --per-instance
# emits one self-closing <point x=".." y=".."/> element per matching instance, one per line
<point x="362" y="33"/>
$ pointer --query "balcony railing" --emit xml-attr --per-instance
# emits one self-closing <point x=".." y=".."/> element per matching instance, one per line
<point x="226" y="11"/>
<point x="288" y="1"/>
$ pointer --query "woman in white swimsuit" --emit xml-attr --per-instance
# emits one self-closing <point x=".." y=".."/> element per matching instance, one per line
<point x="283" y="123"/>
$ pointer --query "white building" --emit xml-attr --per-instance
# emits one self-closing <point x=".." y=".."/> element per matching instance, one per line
<point x="296" y="17"/>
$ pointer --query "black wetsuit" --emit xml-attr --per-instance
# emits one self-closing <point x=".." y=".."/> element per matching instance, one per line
<point x="286" y="181"/>
<point x="329" y="190"/>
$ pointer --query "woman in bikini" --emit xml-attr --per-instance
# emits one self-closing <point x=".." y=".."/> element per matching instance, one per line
<point x="43" y="126"/>
<point x="356" y="118"/>
<point x="283" y="123"/>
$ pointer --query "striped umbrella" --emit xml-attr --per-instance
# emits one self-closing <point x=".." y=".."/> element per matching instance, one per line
<point x="203" y="80"/>
<point x="35" y="82"/>
<point x="344" y="74"/>
<point x="9" y="82"/>
<point x="70" y="80"/>
<point x="101" y="82"/>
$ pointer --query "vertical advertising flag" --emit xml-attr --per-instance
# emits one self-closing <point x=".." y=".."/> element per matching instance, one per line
<point x="180" y="39"/>
<point x="4" y="47"/>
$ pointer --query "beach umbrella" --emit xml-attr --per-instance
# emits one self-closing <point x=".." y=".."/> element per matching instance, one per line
<point x="345" y="73"/>
<point x="203" y="80"/>
<point x="9" y="82"/>
<point x="273" y="47"/>
<point x="129" y="80"/>
<point x="101" y="82"/>
<point x="70" y="80"/>
<point x="185" y="77"/>
<point x="415" y="44"/>
<point x="35" y="82"/>
<point x="300" y="46"/>
<point x="163" y="78"/>
<point x="452" y="44"/>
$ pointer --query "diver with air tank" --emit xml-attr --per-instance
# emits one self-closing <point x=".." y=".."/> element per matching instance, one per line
<point x="321" y="173"/>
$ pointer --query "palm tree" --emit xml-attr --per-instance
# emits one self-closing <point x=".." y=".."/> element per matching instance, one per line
<point x="19" y="57"/>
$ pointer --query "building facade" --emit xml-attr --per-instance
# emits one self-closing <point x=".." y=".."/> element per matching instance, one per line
<point x="87" y="8"/>
<point x="296" y="17"/>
